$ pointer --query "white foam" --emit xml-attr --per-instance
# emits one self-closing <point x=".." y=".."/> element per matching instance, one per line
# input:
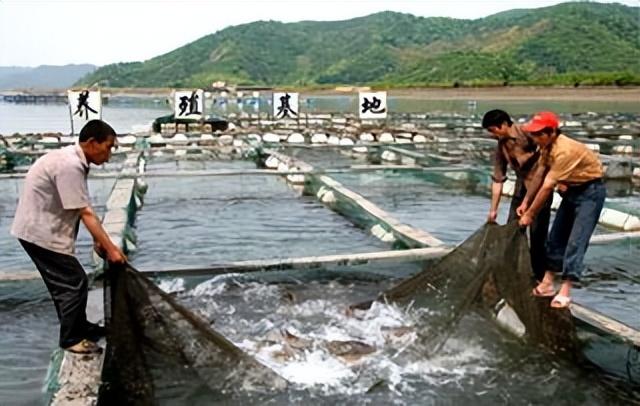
<point x="172" y="285"/>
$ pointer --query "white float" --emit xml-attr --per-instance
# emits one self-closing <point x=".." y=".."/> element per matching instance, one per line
<point x="321" y="192"/>
<point x="296" y="179"/>
<point x="389" y="156"/>
<point x="49" y="140"/>
<point x="157" y="139"/>
<point x="346" y="141"/>
<point x="272" y="162"/>
<point x="379" y="232"/>
<point x="419" y="139"/>
<point x="386" y="138"/>
<point x="319" y="138"/>
<point x="225" y="139"/>
<point x="367" y="137"/>
<point x="270" y="137"/>
<point x="593" y="147"/>
<point x="127" y="140"/>
<point x="283" y="167"/>
<point x="328" y="197"/>
<point x="623" y="149"/>
<point x="571" y="124"/>
<point x="295" y="138"/>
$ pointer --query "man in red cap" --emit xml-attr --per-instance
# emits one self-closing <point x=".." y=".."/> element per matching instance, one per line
<point x="577" y="173"/>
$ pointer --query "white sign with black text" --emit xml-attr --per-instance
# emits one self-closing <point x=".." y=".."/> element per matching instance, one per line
<point x="84" y="106"/>
<point x="285" y="105"/>
<point x="188" y="104"/>
<point x="372" y="105"/>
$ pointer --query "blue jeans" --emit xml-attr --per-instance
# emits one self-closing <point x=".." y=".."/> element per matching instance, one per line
<point x="575" y="221"/>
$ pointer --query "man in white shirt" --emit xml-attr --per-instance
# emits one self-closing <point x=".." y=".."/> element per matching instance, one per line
<point x="54" y="199"/>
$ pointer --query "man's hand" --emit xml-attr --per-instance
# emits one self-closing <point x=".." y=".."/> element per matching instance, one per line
<point x="522" y="209"/>
<point x="493" y="215"/>
<point x="115" y="255"/>
<point x="525" y="220"/>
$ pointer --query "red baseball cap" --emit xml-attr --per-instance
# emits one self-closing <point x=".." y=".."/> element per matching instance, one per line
<point x="540" y="121"/>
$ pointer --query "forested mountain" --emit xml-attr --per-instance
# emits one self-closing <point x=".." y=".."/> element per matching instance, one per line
<point x="569" y="43"/>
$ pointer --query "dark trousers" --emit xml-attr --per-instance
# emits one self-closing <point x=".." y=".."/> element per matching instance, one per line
<point x="538" y="230"/>
<point x="575" y="221"/>
<point x="68" y="285"/>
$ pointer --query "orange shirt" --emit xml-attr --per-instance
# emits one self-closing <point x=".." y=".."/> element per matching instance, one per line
<point x="572" y="163"/>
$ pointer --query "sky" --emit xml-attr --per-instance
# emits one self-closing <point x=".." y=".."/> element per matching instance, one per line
<point x="59" y="32"/>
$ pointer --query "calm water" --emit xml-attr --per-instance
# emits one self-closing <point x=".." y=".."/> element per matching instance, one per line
<point x="205" y="220"/>
<point x="134" y="116"/>
<point x="41" y="118"/>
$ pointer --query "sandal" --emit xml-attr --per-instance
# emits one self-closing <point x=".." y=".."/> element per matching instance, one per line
<point x="85" y="347"/>
<point x="560" y="301"/>
<point x="543" y="293"/>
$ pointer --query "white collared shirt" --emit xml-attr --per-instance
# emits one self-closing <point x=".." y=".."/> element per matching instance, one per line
<point x="54" y="191"/>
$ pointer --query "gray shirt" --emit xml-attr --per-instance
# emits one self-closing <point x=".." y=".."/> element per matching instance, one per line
<point x="55" y="189"/>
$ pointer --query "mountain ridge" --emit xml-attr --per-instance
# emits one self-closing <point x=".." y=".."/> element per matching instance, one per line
<point x="579" y="43"/>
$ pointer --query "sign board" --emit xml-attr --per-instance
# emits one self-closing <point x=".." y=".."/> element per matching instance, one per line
<point x="84" y="106"/>
<point x="372" y="105"/>
<point x="285" y="105"/>
<point x="188" y="104"/>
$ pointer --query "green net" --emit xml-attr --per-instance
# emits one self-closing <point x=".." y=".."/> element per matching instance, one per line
<point x="160" y="352"/>
<point x="491" y="266"/>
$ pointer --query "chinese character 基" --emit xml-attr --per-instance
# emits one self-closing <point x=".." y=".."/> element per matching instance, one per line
<point x="190" y="102"/>
<point x="285" y="109"/>
<point x="83" y="107"/>
<point x="373" y="105"/>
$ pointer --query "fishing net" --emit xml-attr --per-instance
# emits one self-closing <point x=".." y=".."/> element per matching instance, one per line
<point x="159" y="352"/>
<point x="492" y="266"/>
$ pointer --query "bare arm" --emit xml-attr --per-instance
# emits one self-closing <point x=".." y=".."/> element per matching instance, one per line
<point x="541" y="197"/>
<point x="100" y="236"/>
<point x="537" y="181"/>
<point x="496" y="194"/>
<point x="499" y="176"/>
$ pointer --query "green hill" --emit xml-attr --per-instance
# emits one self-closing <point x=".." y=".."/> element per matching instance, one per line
<point x="570" y="43"/>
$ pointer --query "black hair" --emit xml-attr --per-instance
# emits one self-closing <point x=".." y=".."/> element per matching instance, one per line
<point x="98" y="130"/>
<point x="495" y="118"/>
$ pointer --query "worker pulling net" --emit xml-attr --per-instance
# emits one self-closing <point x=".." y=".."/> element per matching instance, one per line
<point x="160" y="352"/>
<point x="492" y="266"/>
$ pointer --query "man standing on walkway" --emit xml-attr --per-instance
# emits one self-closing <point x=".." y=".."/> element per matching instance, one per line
<point x="577" y="174"/>
<point x="55" y="197"/>
<point x="521" y="153"/>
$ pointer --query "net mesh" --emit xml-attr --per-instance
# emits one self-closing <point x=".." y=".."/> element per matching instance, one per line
<point x="492" y="265"/>
<point x="160" y="352"/>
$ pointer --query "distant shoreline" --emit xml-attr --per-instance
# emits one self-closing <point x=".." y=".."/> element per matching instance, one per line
<point x="557" y="93"/>
<point x="627" y="94"/>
